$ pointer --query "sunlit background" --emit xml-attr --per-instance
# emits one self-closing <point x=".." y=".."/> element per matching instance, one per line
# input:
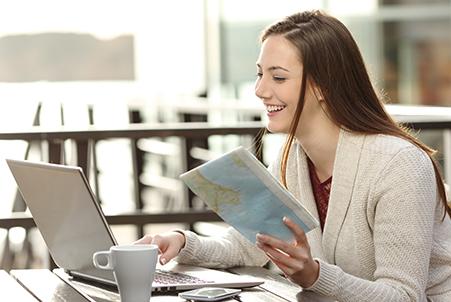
<point x="160" y="54"/>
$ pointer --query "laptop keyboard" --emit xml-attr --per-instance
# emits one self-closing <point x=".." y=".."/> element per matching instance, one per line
<point x="168" y="278"/>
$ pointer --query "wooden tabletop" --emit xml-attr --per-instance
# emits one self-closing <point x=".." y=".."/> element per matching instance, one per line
<point x="50" y="286"/>
<point x="11" y="290"/>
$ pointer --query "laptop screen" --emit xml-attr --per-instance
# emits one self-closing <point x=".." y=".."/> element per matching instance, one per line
<point x="66" y="212"/>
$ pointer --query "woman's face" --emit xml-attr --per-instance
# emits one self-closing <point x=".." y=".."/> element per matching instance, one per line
<point x="278" y="85"/>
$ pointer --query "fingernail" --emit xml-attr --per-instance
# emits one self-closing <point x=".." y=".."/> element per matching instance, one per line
<point x="163" y="261"/>
<point x="261" y="236"/>
<point x="286" y="219"/>
<point x="258" y="244"/>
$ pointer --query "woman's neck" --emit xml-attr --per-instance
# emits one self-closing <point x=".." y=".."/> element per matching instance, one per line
<point x="320" y="145"/>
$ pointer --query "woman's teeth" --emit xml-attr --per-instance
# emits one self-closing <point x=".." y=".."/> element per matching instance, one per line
<point x="274" y="108"/>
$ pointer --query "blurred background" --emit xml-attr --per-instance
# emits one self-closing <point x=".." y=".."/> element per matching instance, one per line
<point x="58" y="58"/>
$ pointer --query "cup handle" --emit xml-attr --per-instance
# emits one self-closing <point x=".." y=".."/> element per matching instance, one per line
<point x="108" y="266"/>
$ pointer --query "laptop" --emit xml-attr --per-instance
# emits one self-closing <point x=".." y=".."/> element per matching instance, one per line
<point x="73" y="226"/>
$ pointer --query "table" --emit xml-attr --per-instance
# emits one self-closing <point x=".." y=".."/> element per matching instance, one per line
<point x="50" y="286"/>
<point x="11" y="290"/>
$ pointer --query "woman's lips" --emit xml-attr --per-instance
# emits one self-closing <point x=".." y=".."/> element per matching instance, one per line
<point x="274" y="109"/>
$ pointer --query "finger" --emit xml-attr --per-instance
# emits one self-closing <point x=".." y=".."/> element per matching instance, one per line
<point x="148" y="239"/>
<point x="271" y="243"/>
<point x="282" y="252"/>
<point x="273" y="258"/>
<point x="273" y="253"/>
<point x="167" y="250"/>
<point x="298" y="232"/>
<point x="281" y="259"/>
<point x="285" y="262"/>
<point x="145" y="240"/>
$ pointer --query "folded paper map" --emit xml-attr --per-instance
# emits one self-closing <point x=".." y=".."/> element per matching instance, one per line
<point x="244" y="194"/>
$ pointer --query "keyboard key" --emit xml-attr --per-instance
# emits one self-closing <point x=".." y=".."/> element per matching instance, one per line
<point x="168" y="278"/>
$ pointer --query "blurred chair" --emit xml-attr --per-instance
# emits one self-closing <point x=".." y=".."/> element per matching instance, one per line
<point x="21" y="257"/>
<point x="55" y="114"/>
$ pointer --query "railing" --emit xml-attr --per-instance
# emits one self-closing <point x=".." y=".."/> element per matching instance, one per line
<point x="420" y="118"/>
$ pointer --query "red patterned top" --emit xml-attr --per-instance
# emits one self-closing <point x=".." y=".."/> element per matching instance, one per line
<point x="321" y="192"/>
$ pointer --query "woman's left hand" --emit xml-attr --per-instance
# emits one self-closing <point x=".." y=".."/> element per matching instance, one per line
<point x="295" y="259"/>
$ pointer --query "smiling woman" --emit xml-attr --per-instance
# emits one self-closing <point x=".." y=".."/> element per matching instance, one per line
<point x="351" y="166"/>
<point x="278" y="85"/>
<point x="279" y="74"/>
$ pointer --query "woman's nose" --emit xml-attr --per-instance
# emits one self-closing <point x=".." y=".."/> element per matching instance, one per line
<point x="262" y="90"/>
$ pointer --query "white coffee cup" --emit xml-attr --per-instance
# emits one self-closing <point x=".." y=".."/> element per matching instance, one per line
<point x="133" y="268"/>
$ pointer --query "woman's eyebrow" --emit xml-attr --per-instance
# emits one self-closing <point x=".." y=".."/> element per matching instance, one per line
<point x="278" y="67"/>
<point x="274" y="68"/>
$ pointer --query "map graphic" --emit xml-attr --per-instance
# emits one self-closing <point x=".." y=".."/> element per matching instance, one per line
<point x="246" y="196"/>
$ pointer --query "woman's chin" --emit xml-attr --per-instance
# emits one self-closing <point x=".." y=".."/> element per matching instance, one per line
<point x="274" y="128"/>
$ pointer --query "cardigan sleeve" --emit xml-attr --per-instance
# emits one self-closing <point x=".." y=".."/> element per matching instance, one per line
<point x="230" y="250"/>
<point x="402" y="209"/>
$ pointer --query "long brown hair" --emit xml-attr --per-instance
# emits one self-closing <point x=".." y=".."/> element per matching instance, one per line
<point x="333" y="63"/>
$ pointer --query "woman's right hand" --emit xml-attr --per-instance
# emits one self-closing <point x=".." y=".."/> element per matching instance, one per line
<point x="169" y="244"/>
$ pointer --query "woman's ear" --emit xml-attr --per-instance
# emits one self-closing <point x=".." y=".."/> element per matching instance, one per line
<point x="318" y="93"/>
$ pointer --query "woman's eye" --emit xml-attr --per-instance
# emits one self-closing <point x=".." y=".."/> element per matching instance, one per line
<point x="279" y="79"/>
<point x="259" y="74"/>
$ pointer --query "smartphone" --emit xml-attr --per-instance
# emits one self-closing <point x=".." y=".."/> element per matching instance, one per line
<point x="209" y="294"/>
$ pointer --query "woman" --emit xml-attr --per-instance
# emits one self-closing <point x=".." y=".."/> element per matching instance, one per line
<point x="377" y="191"/>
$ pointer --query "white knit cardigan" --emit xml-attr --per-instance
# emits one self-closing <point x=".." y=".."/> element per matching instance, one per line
<point x="383" y="239"/>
